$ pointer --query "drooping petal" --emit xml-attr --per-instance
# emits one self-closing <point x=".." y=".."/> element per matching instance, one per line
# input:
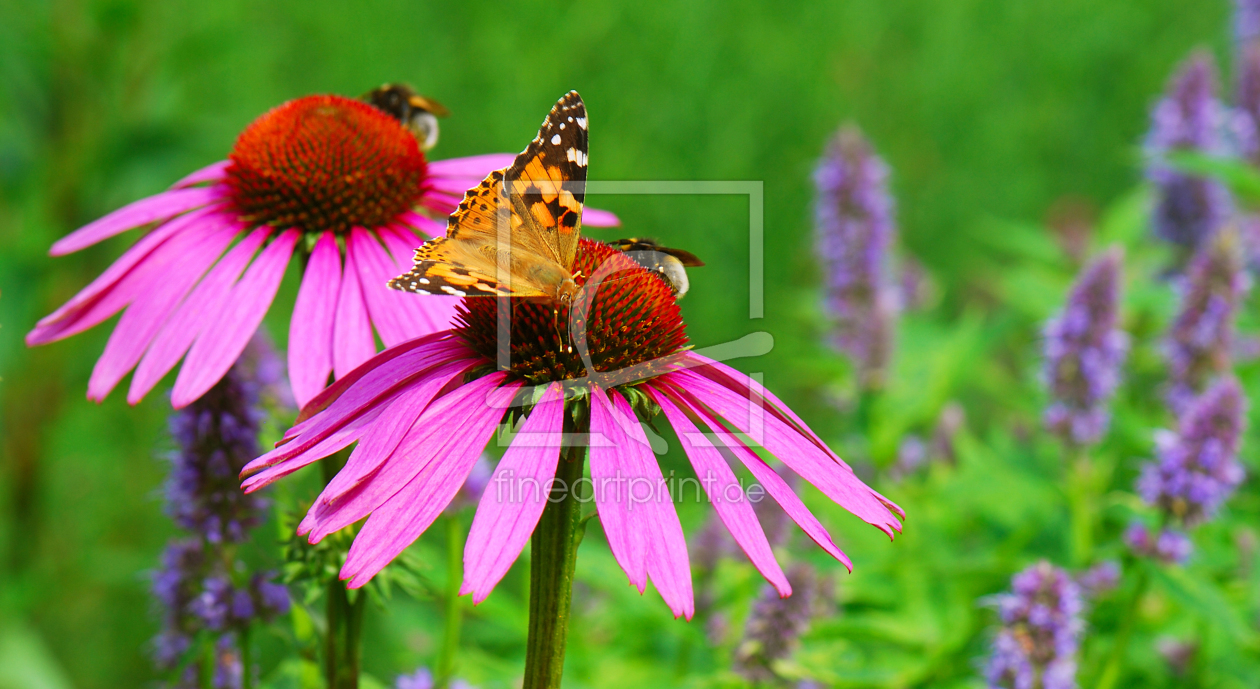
<point x="440" y="202"/>
<point x="594" y="217"/>
<point x="503" y="523"/>
<point x="427" y="225"/>
<point x="769" y="479"/>
<point x="420" y="314"/>
<point x="113" y="289"/>
<point x="384" y="436"/>
<point x="398" y="316"/>
<point x="311" y="328"/>
<point x="666" y="546"/>
<point x="167" y="204"/>
<point x="611" y="476"/>
<point x="335" y="440"/>
<point x="155" y="304"/>
<point x="401" y="520"/>
<point x="725" y="493"/>
<point x="194" y="313"/>
<point x="218" y="347"/>
<point x="353" y="343"/>
<point x="472" y="167"/>
<point x="210" y="173"/>
<point x="785" y="441"/>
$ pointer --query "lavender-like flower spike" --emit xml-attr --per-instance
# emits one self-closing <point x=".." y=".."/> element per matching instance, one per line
<point x="1197" y="468"/>
<point x="1200" y="340"/>
<point x="1246" y="21"/>
<point x="215" y="437"/>
<point x="1040" y="634"/>
<point x="1084" y="349"/>
<point x="853" y="232"/>
<point x="1189" y="209"/>
<point x="775" y="624"/>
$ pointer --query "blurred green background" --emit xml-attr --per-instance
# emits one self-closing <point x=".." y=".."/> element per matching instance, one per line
<point x="998" y="119"/>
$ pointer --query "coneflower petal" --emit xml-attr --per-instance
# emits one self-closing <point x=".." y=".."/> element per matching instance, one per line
<point x="448" y="425"/>
<point x="427" y="225"/>
<point x="311" y="328"/>
<point x="142" y="321"/>
<point x="210" y="173"/>
<point x="472" y="167"/>
<point x="430" y="314"/>
<point x="216" y="350"/>
<point x="353" y="343"/>
<point x="769" y="479"/>
<point x="399" y="522"/>
<point x="612" y="479"/>
<point x="793" y="448"/>
<point x="112" y="290"/>
<point x="732" y="506"/>
<point x="397" y="316"/>
<point x="194" y="313"/>
<point x="511" y="506"/>
<point x="594" y="217"/>
<point x="167" y="204"/>
<point x="667" y="563"/>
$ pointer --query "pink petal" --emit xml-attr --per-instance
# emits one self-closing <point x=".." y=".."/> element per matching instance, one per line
<point x="154" y="305"/>
<point x="609" y="473"/>
<point x="725" y="494"/>
<point x="427" y="225"/>
<point x="269" y="468"/>
<point x="400" y="521"/>
<point x="793" y="448"/>
<point x="380" y="441"/>
<point x="769" y="479"/>
<point x="439" y="202"/>
<point x="389" y="309"/>
<point x="152" y="209"/>
<point x="353" y="343"/>
<point x="422" y="443"/>
<point x="502" y="525"/>
<point x="667" y="564"/>
<point x="194" y="313"/>
<point x="594" y="217"/>
<point x="218" y="347"/>
<point x="420" y="314"/>
<point x="311" y="327"/>
<point x="477" y="167"/>
<point x="210" y="173"/>
<point x="454" y="185"/>
<point x="116" y="287"/>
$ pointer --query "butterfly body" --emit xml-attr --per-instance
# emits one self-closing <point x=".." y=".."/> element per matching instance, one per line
<point x="516" y="234"/>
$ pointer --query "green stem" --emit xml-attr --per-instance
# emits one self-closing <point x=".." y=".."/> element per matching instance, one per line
<point x="553" y="555"/>
<point x="344" y="619"/>
<point x="454" y="604"/>
<point x="1080" y="491"/>
<point x="335" y="613"/>
<point x="247" y="659"/>
<point x="1115" y="661"/>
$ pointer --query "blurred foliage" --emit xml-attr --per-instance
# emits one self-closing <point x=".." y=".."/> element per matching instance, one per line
<point x="1002" y="121"/>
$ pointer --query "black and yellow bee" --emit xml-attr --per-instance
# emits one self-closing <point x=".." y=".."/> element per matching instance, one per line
<point x="417" y="113"/>
<point x="670" y="265"/>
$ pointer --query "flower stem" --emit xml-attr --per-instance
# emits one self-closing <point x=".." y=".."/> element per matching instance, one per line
<point x="247" y="659"/>
<point x="1080" y="491"/>
<point x="1115" y="661"/>
<point x="552" y="559"/>
<point x="344" y="619"/>
<point x="454" y="604"/>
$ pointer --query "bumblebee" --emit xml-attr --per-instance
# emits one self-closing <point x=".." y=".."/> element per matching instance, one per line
<point x="417" y="113"/>
<point x="670" y="265"/>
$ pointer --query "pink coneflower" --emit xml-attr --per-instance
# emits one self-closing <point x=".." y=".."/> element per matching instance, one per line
<point x="422" y="412"/>
<point x="339" y="182"/>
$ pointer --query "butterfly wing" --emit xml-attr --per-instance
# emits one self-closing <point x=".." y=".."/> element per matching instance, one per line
<point x="546" y="184"/>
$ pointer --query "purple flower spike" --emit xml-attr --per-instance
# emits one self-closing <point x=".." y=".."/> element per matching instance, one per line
<point x="1084" y="349"/>
<point x="1197" y="468"/>
<point x="853" y="232"/>
<point x="1246" y="21"/>
<point x="1169" y="546"/>
<point x="776" y="623"/>
<point x="1200" y="342"/>
<point x="1041" y="631"/>
<point x="1189" y="210"/>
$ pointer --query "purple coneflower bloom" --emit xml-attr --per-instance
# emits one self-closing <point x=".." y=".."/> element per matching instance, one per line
<point x="1189" y="209"/>
<point x="1084" y="349"/>
<point x="423" y="410"/>
<point x="853" y="233"/>
<point x="1200" y="342"/>
<point x="329" y="177"/>
<point x="1041" y="630"/>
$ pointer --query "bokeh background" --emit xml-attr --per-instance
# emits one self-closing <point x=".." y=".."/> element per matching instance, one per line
<point x="1006" y="124"/>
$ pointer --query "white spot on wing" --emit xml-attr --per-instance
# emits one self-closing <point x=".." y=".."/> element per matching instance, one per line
<point x="555" y="140"/>
<point x="581" y="122"/>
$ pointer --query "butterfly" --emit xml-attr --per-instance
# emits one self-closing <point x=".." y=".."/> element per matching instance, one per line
<point x="670" y="265"/>
<point x="516" y="234"/>
<point x="416" y="112"/>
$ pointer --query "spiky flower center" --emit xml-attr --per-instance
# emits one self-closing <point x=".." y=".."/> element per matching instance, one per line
<point x="624" y="319"/>
<point x="325" y="163"/>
